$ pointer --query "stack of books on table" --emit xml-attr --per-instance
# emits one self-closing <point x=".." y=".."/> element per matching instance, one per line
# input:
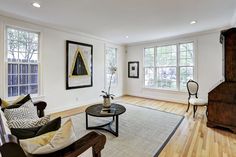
<point x="108" y="111"/>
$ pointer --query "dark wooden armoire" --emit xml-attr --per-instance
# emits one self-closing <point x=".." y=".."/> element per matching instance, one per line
<point x="222" y="99"/>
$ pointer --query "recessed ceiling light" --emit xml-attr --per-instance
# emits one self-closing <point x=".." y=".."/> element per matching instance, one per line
<point x="193" y="22"/>
<point x="36" y="5"/>
<point x="127" y="36"/>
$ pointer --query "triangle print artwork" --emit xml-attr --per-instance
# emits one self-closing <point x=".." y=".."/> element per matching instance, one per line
<point x="79" y="66"/>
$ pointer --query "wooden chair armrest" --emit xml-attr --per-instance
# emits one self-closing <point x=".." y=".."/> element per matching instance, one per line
<point x="92" y="139"/>
<point x="41" y="105"/>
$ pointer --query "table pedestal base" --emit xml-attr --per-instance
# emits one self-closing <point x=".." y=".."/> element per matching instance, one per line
<point x="107" y="126"/>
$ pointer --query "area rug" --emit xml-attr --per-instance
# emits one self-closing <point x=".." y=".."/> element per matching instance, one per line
<point x="143" y="132"/>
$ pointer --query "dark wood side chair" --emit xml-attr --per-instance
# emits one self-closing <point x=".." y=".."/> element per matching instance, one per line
<point x="193" y="99"/>
<point x="10" y="147"/>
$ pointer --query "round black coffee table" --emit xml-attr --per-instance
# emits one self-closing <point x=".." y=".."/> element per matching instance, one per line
<point x="95" y="111"/>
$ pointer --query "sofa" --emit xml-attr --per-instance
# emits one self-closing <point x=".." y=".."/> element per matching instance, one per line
<point x="10" y="147"/>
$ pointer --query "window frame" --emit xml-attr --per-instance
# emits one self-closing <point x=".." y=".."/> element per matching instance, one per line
<point x="106" y="83"/>
<point x="5" y="63"/>
<point x="177" y="43"/>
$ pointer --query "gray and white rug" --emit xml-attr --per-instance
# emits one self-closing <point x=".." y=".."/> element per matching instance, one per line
<point x="143" y="132"/>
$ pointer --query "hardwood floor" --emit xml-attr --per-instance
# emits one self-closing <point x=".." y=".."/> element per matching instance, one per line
<point x="192" y="138"/>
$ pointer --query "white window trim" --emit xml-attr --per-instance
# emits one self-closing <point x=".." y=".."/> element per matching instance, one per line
<point x="105" y="66"/>
<point x="5" y="62"/>
<point x="177" y="42"/>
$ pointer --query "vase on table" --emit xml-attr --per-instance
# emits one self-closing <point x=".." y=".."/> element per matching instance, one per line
<point x="106" y="102"/>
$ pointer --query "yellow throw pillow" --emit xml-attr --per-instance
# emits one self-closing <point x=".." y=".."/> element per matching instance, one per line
<point x="5" y="103"/>
<point x="50" y="142"/>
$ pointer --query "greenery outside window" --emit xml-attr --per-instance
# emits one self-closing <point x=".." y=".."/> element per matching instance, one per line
<point x="169" y="67"/>
<point x="22" y="49"/>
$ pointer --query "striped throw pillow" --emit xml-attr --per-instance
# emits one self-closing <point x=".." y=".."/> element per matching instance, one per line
<point x="28" y="123"/>
<point x="26" y="111"/>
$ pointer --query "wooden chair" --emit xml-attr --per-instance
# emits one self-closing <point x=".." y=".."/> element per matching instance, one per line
<point x="9" y="146"/>
<point x="193" y="87"/>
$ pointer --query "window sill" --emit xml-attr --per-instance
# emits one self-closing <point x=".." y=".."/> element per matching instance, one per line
<point x="165" y="90"/>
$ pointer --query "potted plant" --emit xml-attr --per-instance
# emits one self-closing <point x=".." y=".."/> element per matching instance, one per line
<point x="107" y="96"/>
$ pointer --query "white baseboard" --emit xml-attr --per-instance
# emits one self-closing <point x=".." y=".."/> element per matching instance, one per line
<point x="160" y="98"/>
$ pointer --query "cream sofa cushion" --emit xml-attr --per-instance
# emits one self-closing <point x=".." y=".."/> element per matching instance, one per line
<point x="50" y="142"/>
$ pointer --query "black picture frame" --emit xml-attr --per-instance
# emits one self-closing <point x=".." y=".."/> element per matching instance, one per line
<point x="89" y="68"/>
<point x="133" y="69"/>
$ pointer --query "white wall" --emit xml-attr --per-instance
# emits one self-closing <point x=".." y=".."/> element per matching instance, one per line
<point x="209" y="67"/>
<point x="53" y="62"/>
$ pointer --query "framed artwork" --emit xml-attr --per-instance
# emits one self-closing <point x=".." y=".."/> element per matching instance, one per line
<point x="79" y="65"/>
<point x="133" y="69"/>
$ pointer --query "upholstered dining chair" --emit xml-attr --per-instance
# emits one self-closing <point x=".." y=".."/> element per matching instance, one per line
<point x="193" y="99"/>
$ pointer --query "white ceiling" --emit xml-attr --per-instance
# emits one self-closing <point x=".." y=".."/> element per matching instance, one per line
<point x="141" y="20"/>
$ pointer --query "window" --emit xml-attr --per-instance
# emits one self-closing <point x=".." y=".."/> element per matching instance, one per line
<point x="169" y="67"/>
<point x="111" y="61"/>
<point x="186" y="64"/>
<point x="22" y="62"/>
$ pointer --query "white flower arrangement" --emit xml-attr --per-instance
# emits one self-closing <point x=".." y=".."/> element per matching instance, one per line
<point x="108" y="94"/>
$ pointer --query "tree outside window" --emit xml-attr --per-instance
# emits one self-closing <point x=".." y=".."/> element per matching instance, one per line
<point x="22" y="62"/>
<point x="169" y="66"/>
